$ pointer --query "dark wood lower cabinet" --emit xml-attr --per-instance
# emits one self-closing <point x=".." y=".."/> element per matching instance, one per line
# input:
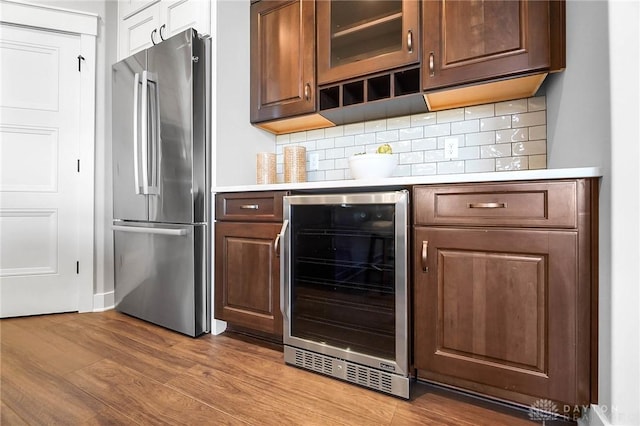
<point x="507" y="311"/>
<point x="247" y="276"/>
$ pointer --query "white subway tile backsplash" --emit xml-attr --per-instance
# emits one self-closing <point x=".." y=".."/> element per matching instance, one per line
<point x="353" y="150"/>
<point x="334" y="132"/>
<point x="411" y="157"/>
<point x="365" y="138"/>
<point x="316" y="176"/>
<point x="493" y="137"/>
<point x="283" y="138"/>
<point x="386" y="137"/>
<point x="468" y="126"/>
<point x="402" y="170"/>
<point x="482" y="138"/>
<point x="425" y="119"/>
<point x="479" y="111"/>
<point x="435" y="130"/>
<point x="512" y="135"/>
<point x="479" y="166"/>
<point x="424" y="144"/>
<point x="433" y="156"/>
<point x="529" y="119"/>
<point x="345" y="141"/>
<point x="375" y="126"/>
<point x="353" y="129"/>
<point x="447" y="116"/>
<point x="537" y="132"/>
<point x="401" y="146"/>
<point x="342" y="163"/>
<point x="337" y="174"/>
<point x="326" y="164"/>
<point x="313" y="135"/>
<point x="424" y="169"/>
<point x="539" y="103"/>
<point x="334" y="153"/>
<point x="512" y="163"/>
<point x="511" y="107"/>
<point x="495" y="123"/>
<point x="529" y="148"/>
<point x="411" y="133"/>
<point x="298" y="137"/>
<point x="493" y="151"/>
<point x="398" y="122"/>
<point x="450" y="167"/>
<point x="537" y="162"/>
<point x="325" y="143"/>
<point x="469" y="153"/>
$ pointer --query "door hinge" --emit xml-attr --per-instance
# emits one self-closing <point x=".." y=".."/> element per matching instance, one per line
<point x="80" y="59"/>
<point x="78" y="165"/>
<point x="77" y="267"/>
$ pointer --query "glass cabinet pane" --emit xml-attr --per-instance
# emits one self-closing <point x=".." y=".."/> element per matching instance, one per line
<point x="364" y="29"/>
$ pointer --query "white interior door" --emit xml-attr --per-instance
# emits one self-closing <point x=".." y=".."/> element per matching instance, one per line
<point x="39" y="148"/>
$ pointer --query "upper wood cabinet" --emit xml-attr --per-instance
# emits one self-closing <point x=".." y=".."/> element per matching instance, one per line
<point x="468" y="42"/>
<point x="145" y="23"/>
<point x="283" y="82"/>
<point x="356" y="38"/>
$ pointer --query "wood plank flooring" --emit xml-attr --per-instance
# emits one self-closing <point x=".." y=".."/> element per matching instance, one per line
<point x="109" y="368"/>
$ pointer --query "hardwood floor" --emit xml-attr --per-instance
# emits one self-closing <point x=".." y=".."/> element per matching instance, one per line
<point x="109" y="368"/>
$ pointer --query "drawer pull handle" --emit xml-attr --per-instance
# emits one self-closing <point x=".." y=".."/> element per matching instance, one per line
<point x="425" y="246"/>
<point x="487" y="205"/>
<point x="249" y="207"/>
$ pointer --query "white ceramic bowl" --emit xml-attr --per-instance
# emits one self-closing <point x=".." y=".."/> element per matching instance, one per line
<point x="371" y="166"/>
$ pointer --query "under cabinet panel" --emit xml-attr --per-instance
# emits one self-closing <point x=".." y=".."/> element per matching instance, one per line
<point x="497" y="309"/>
<point x="246" y="289"/>
<point x="493" y="308"/>
<point x="247" y="276"/>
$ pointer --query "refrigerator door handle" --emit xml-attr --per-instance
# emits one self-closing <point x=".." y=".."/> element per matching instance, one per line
<point x="157" y="231"/>
<point x="155" y="138"/>
<point x="136" y="171"/>
<point x="145" y="132"/>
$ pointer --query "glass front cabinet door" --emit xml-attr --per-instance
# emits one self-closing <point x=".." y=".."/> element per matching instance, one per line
<point x="356" y="38"/>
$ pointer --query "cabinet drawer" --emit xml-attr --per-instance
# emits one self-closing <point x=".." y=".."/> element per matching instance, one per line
<point x="531" y="204"/>
<point x="253" y="206"/>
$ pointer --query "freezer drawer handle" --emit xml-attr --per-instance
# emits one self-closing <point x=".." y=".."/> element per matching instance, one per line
<point x="157" y="231"/>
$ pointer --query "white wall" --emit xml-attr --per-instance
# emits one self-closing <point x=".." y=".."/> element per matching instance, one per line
<point x="592" y="119"/>
<point x="237" y="142"/>
<point x="624" y="326"/>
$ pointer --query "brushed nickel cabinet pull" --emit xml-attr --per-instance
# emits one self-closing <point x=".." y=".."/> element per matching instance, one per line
<point x="425" y="246"/>
<point x="487" y="205"/>
<point x="307" y="91"/>
<point x="432" y="65"/>
<point x="249" y="207"/>
<point x="276" y="243"/>
<point x="410" y="41"/>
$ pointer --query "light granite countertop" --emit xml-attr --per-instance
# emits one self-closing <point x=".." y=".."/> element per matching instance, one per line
<point x="368" y="184"/>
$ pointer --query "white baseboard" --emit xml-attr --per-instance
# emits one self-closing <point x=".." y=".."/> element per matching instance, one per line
<point x="595" y="416"/>
<point x="103" y="301"/>
<point x="217" y="327"/>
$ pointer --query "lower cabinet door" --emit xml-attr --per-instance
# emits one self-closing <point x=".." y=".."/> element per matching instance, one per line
<point x="247" y="276"/>
<point x="496" y="311"/>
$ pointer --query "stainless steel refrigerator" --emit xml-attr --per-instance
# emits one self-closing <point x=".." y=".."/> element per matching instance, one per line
<point x="161" y="184"/>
